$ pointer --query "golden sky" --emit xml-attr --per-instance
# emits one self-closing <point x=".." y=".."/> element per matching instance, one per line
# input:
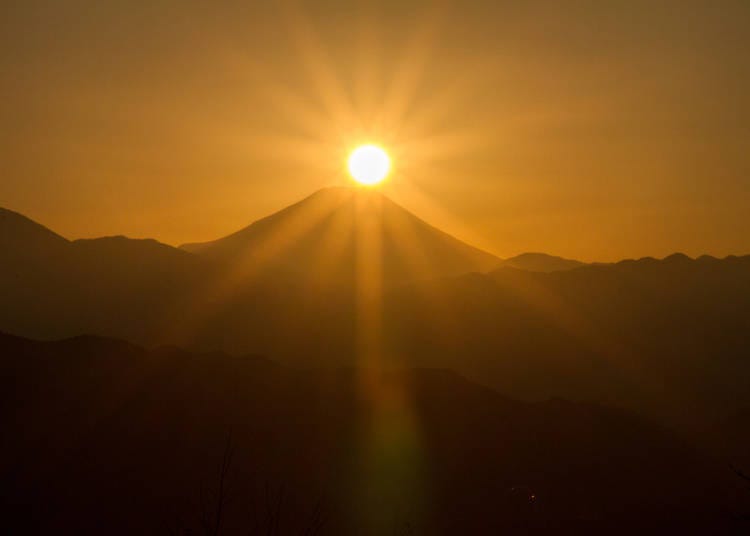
<point x="588" y="129"/>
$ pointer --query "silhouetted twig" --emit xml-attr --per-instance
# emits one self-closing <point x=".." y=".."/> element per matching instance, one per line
<point x="213" y="502"/>
<point x="223" y="496"/>
<point x="316" y="521"/>
<point x="740" y="474"/>
<point x="212" y="505"/>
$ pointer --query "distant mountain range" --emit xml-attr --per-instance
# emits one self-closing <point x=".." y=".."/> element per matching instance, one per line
<point x="306" y="284"/>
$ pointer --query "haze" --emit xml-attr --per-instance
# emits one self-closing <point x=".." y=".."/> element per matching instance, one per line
<point x="593" y="130"/>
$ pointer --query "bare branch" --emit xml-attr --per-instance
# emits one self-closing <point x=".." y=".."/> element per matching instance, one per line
<point x="740" y="474"/>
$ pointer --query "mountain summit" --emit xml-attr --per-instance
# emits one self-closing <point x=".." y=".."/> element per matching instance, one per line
<point x="334" y="233"/>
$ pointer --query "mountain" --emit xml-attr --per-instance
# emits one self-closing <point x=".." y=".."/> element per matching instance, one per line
<point x="25" y="244"/>
<point x="113" y="285"/>
<point x="17" y="229"/>
<point x="540" y="262"/>
<point x="22" y="238"/>
<point x="666" y="337"/>
<point x="333" y="236"/>
<point x="101" y="436"/>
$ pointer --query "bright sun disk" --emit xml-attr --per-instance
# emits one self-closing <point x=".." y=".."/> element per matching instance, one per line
<point x="369" y="164"/>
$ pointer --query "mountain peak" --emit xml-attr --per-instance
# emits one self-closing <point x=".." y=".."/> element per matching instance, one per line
<point x="323" y="236"/>
<point x="677" y="257"/>
<point x="540" y="262"/>
<point x="344" y="193"/>
<point x="19" y="234"/>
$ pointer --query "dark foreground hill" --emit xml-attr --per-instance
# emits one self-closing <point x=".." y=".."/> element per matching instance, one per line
<point x="100" y="436"/>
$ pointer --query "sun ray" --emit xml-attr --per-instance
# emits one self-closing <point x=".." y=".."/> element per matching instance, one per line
<point x="242" y="273"/>
<point x="408" y="187"/>
<point x="402" y="235"/>
<point x="335" y="238"/>
<point x="316" y="61"/>
<point x="408" y="74"/>
<point x="527" y="288"/>
<point x="369" y="279"/>
<point x="390" y="452"/>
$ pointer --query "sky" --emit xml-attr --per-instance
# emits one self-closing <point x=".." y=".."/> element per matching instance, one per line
<point x="587" y="129"/>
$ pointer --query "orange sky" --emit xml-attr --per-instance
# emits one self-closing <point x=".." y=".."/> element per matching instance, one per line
<point x="594" y="130"/>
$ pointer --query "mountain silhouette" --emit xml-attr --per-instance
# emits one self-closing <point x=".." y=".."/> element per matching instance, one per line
<point x="540" y="262"/>
<point x="55" y="287"/>
<point x="22" y="238"/>
<point x="108" y="435"/>
<point x="660" y="336"/>
<point x="327" y="237"/>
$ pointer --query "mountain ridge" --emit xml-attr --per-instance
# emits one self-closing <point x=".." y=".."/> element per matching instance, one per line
<point x="540" y="262"/>
<point x="602" y="330"/>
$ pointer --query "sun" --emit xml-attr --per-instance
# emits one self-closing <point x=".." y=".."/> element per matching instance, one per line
<point x="369" y="164"/>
